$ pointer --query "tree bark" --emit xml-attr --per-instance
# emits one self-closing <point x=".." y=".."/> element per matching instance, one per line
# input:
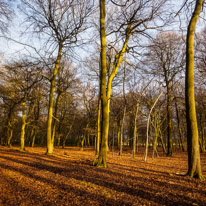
<point x="122" y="132"/>
<point x="101" y="161"/>
<point x="194" y="167"/>
<point x="22" y="142"/>
<point x="55" y="115"/>
<point x="50" y="146"/>
<point x="98" y="127"/>
<point x="169" y="122"/>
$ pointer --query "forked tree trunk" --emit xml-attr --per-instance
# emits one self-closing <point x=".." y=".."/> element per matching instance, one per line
<point x="105" y="88"/>
<point x="148" y="120"/>
<point x="50" y="145"/>
<point x="194" y="167"/>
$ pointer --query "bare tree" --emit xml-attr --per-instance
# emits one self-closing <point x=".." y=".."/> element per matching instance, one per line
<point x="194" y="167"/>
<point x="166" y="59"/>
<point x="5" y="15"/>
<point x="60" y="22"/>
<point x="129" y="19"/>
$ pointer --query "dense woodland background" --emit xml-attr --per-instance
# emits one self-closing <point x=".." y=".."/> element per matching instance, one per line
<point x="45" y="43"/>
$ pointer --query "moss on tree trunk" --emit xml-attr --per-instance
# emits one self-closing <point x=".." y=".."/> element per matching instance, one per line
<point x="194" y="167"/>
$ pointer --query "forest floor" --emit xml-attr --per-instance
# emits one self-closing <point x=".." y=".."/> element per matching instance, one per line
<point x="68" y="178"/>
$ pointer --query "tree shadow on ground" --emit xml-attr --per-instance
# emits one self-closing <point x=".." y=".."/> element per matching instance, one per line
<point x="146" y="185"/>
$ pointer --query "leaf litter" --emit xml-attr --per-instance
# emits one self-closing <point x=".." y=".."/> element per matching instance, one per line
<point x="68" y="178"/>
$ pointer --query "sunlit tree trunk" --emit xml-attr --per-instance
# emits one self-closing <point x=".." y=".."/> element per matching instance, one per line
<point x="105" y="88"/>
<point x="10" y="135"/>
<point x="98" y="127"/>
<point x="22" y="139"/>
<point x="101" y="161"/>
<point x="33" y="136"/>
<point x="169" y="122"/>
<point x="55" y="116"/>
<point x="194" y="167"/>
<point x="135" y="133"/>
<point x="50" y="146"/>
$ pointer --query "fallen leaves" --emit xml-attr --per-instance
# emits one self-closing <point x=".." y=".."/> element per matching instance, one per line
<point x="68" y="178"/>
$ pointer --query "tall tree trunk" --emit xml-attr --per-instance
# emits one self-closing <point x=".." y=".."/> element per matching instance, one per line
<point x="22" y="139"/>
<point x="50" y="146"/>
<point x="179" y="128"/>
<point x="101" y="161"/>
<point x="33" y="136"/>
<point x="122" y="132"/>
<point x="118" y="134"/>
<point x="10" y="135"/>
<point x="135" y="134"/>
<point x="98" y="127"/>
<point x="105" y="88"/>
<point x="55" y="116"/>
<point x="194" y="167"/>
<point x="169" y="122"/>
<point x="148" y="120"/>
<point x="202" y="132"/>
<point x="6" y="130"/>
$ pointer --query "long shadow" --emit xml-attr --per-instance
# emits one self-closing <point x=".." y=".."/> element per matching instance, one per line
<point x="14" y="186"/>
<point x="83" y="194"/>
<point x="145" y="192"/>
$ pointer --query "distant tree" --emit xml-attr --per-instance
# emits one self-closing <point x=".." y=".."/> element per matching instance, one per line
<point x="60" y="22"/>
<point x="23" y="75"/>
<point x="130" y="18"/>
<point x="166" y="60"/>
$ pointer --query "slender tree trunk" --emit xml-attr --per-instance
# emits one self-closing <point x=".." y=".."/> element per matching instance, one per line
<point x="118" y="134"/>
<point x="10" y="135"/>
<point x="194" y="167"/>
<point x="22" y="139"/>
<point x="84" y="138"/>
<point x="98" y="127"/>
<point x="105" y="88"/>
<point x="135" y="135"/>
<point x="113" y="142"/>
<point x="155" y="140"/>
<point x="55" y="115"/>
<point x="50" y="146"/>
<point x="169" y="122"/>
<point x="134" y="141"/>
<point x="33" y="137"/>
<point x="179" y="128"/>
<point x="6" y="131"/>
<point x="122" y="132"/>
<point x="88" y="139"/>
<point x="101" y="161"/>
<point x="202" y="137"/>
<point x="148" y="120"/>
